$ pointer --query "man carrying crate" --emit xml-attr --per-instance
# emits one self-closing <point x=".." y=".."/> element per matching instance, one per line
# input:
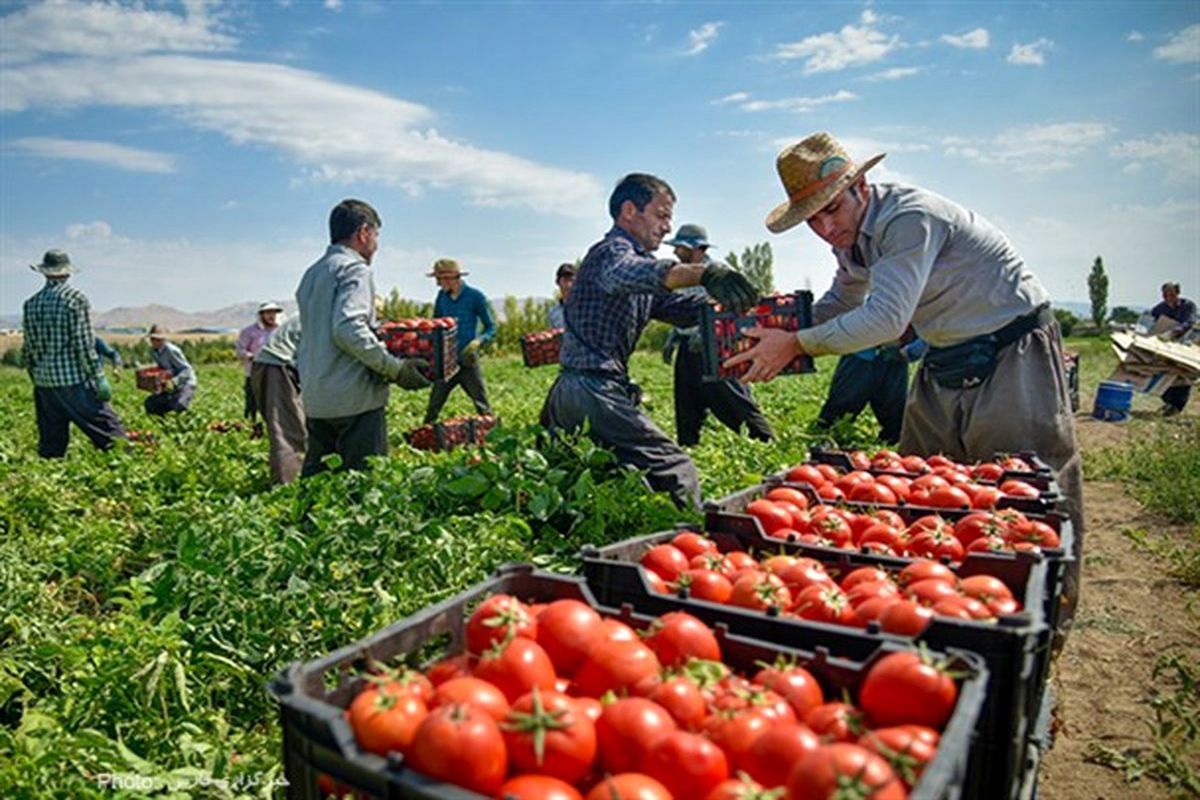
<point x="620" y="287"/>
<point x="730" y="399"/>
<point x="470" y="309"/>
<point x="177" y="392"/>
<point x="993" y="379"/>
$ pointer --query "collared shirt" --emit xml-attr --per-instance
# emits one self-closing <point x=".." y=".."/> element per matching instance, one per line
<point x="556" y="315"/>
<point x="250" y="341"/>
<point x="280" y="349"/>
<point x="1184" y="313"/>
<point x="344" y="368"/>
<point x="470" y="309"/>
<point x="59" y="345"/>
<point x="618" y="289"/>
<point x="172" y="359"/>
<point x="925" y="260"/>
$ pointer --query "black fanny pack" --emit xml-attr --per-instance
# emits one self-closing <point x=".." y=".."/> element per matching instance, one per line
<point x="967" y="365"/>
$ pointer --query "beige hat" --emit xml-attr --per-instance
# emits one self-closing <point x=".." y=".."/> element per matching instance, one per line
<point x="270" y="305"/>
<point x="445" y="268"/>
<point x="156" y="332"/>
<point x="813" y="171"/>
<point x="55" y="264"/>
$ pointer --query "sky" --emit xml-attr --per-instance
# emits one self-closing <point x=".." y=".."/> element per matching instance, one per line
<point x="188" y="153"/>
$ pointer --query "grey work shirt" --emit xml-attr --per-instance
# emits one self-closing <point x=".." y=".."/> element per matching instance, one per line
<point x="172" y="359"/>
<point x="344" y="368"/>
<point x="927" y="260"/>
<point x="280" y="348"/>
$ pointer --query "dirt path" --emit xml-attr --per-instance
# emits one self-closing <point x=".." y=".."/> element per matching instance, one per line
<point x="1129" y="614"/>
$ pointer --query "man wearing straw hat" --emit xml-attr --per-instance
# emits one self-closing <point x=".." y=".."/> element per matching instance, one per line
<point x="993" y="378"/>
<point x="69" y="385"/>
<point x="177" y="394"/>
<point x="250" y="341"/>
<point x="472" y="311"/>
<point x="620" y="287"/>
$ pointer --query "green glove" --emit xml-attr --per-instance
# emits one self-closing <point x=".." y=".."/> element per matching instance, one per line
<point x="168" y="386"/>
<point x="410" y="376"/>
<point x="469" y="356"/>
<point x="729" y="287"/>
<point x="668" y="351"/>
<point x="103" y="388"/>
<point x="473" y="346"/>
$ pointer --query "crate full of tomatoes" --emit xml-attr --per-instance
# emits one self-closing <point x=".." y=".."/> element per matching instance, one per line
<point x="1000" y="468"/>
<point x="541" y="347"/>
<point x="455" y="432"/>
<point x="772" y="590"/>
<point x="152" y="379"/>
<point x="721" y="332"/>
<point x="524" y="686"/>
<point x="430" y="339"/>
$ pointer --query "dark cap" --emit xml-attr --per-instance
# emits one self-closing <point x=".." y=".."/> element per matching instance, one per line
<point x="565" y="271"/>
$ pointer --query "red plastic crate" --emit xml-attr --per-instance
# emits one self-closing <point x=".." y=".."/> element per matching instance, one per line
<point x="541" y="347"/>
<point x="430" y="339"/>
<point x="152" y="379"/>
<point x="456" y="432"/>
<point x="720" y="332"/>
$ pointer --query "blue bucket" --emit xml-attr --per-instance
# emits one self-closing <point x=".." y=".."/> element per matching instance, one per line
<point x="1113" y="401"/>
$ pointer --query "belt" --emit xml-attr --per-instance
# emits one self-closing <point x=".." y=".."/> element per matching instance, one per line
<point x="1042" y="315"/>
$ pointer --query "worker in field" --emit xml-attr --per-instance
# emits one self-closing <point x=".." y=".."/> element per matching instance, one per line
<point x="344" y="369"/>
<point x="250" y="341"/>
<point x="619" y="288"/>
<point x="563" y="279"/>
<point x="106" y="351"/>
<point x="874" y="376"/>
<point x="993" y="379"/>
<point x="476" y="326"/>
<point x="58" y="351"/>
<point x="1183" y="312"/>
<point x="276" y="386"/>
<point x="177" y="393"/>
<point x="730" y="400"/>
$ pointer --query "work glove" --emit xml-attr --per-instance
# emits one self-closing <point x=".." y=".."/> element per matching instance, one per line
<point x="168" y="386"/>
<point x="729" y="287"/>
<point x="470" y="354"/>
<point x="104" y="391"/>
<point x="694" y="343"/>
<point x="411" y="375"/>
<point x="668" y="351"/>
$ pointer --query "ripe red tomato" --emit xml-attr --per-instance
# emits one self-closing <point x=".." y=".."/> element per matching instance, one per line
<point x="935" y="544"/>
<point x="859" y="459"/>
<point x="914" y="464"/>
<point x="449" y="668"/>
<point x="906" y="618"/>
<point x="665" y="560"/>
<point x="883" y="534"/>
<point x="497" y="618"/>
<point x="760" y="591"/>
<point x="386" y="718"/>
<point x="1016" y="488"/>
<point x="962" y="608"/>
<point x="928" y="483"/>
<point x="688" y="764"/>
<point x="794" y="683"/>
<point x="835" y="722"/>
<point x="461" y="744"/>
<point x="770" y="515"/>
<point x="863" y="575"/>
<point x="516" y="668"/>
<point x="874" y="492"/>
<point x="590" y="707"/>
<point x="789" y="495"/>
<point x="771" y="758"/>
<point x="619" y="667"/>
<point x="693" y="544"/>
<point x="807" y="473"/>
<point x="546" y="733"/>
<point x="844" y="770"/>
<point x="655" y="583"/>
<point x="908" y="688"/>
<point x="987" y="471"/>
<point x="824" y="604"/>
<point x="930" y="591"/>
<point x="804" y="573"/>
<point x="566" y="630"/>
<point x="833" y="528"/>
<point x="627" y="729"/>
<point x="976" y="525"/>
<point x="901" y="487"/>
<point x="705" y="584"/>
<point x="473" y="692"/>
<point x="949" y="497"/>
<point x="629" y="786"/>
<point x="831" y="493"/>
<point x="538" y="787"/>
<point x="985" y="497"/>
<point x="871" y="610"/>
<point x="871" y="590"/>
<point x="683" y="700"/>
<point x="984" y="588"/>
<point x="987" y="544"/>
<point x="735" y="732"/>
<point x="677" y="636"/>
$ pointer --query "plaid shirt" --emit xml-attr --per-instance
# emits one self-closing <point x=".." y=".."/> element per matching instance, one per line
<point x="59" y="347"/>
<point x="618" y="289"/>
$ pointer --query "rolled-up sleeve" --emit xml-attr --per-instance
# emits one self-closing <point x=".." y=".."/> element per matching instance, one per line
<point x="911" y="242"/>
<point x="352" y="306"/>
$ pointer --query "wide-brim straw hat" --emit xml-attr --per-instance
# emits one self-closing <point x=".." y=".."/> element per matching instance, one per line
<point x="270" y="305"/>
<point x="445" y="268"/>
<point x="813" y="171"/>
<point x="55" y="264"/>
<point x="155" y="332"/>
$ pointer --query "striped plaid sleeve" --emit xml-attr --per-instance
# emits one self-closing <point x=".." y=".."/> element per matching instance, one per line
<point x="83" y="340"/>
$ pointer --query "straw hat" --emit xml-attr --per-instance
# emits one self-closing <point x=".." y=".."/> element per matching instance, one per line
<point x="813" y="171"/>
<point x="156" y="332"/>
<point x="270" y="305"/>
<point x="55" y="264"/>
<point x="445" y="268"/>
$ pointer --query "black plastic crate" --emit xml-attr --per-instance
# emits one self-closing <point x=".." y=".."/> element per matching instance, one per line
<point x="1041" y="480"/>
<point x="432" y="340"/>
<point x="720" y="333"/>
<point x="541" y="348"/>
<point x="1015" y="648"/>
<point x="439" y="437"/>
<point x="313" y="696"/>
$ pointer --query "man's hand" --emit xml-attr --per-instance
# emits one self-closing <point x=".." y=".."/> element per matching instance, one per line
<point x="775" y="350"/>
<point x="168" y="386"/>
<point x="729" y="287"/>
<point x="104" y="391"/>
<point x="470" y="354"/>
<point x="668" y="351"/>
<point x="410" y="376"/>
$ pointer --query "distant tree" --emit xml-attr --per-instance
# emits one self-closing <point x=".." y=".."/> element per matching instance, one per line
<point x="397" y="307"/>
<point x="1123" y="315"/>
<point x="757" y="264"/>
<point x="1066" y="320"/>
<point x="1098" y="292"/>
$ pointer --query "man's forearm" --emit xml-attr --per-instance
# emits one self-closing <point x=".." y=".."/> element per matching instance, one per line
<point x="682" y="275"/>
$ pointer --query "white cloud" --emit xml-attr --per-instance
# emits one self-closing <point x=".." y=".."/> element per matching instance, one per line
<point x="1134" y="36"/>
<point x="736" y="97"/>
<point x="852" y="46"/>
<point x="977" y="39"/>
<point x="1182" y="47"/>
<point x="1034" y="149"/>
<point x="89" y="230"/>
<point x="1030" y="55"/>
<point x="1177" y="153"/>
<point x="79" y="28"/>
<point x="796" y="104"/>
<point x="107" y="153"/>
<point x="894" y="74"/>
<point x="702" y="37"/>
<point x="333" y="5"/>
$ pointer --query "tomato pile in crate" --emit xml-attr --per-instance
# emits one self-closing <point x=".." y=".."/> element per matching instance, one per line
<point x="152" y="379"/>
<point x="454" y="432"/>
<point x="541" y="347"/>
<point x="430" y="339"/>
<point x="721" y="332"/>
<point x="541" y="692"/>
<point x="773" y="590"/>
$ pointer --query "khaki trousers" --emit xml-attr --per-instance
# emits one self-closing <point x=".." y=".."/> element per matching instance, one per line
<point x="277" y="393"/>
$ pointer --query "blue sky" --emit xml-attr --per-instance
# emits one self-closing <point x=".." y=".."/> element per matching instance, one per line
<point x="187" y="153"/>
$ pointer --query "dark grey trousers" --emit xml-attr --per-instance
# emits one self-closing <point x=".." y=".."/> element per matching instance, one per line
<point x="162" y="403"/>
<point x="353" y="438"/>
<point x="277" y="395"/>
<point x="471" y="380"/>
<point x="609" y="408"/>
<point x="729" y="400"/>
<point x="880" y="383"/>
<point x="57" y="407"/>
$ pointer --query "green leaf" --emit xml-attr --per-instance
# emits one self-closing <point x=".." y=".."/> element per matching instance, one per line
<point x="470" y="485"/>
